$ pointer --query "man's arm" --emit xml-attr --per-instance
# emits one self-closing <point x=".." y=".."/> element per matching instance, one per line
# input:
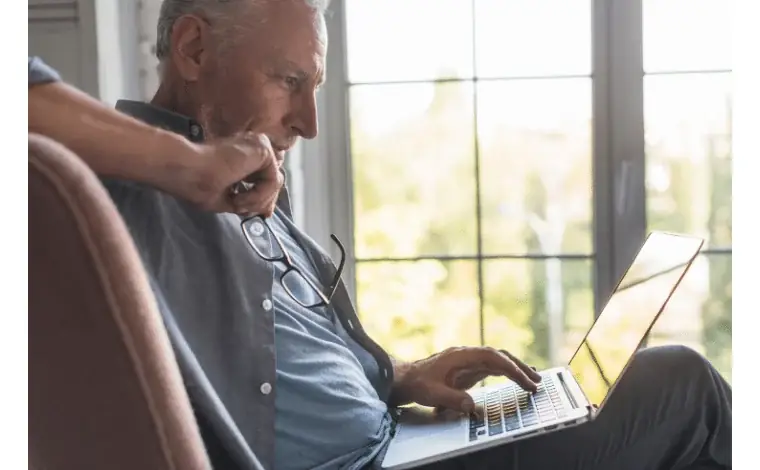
<point x="111" y="143"/>
<point x="119" y="146"/>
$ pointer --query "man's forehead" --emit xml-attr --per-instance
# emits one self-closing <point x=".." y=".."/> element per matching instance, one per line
<point x="296" y="45"/>
<point x="295" y="17"/>
<point x="293" y="33"/>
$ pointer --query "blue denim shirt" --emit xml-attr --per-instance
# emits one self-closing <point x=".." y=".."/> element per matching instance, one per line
<point x="215" y="295"/>
<point x="328" y="414"/>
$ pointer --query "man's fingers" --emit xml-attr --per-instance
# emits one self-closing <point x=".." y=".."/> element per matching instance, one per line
<point x="254" y="161"/>
<point x="491" y="359"/>
<point x="529" y="371"/>
<point x="239" y="174"/>
<point x="261" y="196"/>
<point x="258" y="148"/>
<point x="439" y="395"/>
<point x="253" y="204"/>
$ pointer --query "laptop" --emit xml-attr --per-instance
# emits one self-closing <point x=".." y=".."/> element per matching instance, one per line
<point x="568" y="395"/>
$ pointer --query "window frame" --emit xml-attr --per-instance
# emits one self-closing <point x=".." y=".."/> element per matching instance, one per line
<point x="618" y="152"/>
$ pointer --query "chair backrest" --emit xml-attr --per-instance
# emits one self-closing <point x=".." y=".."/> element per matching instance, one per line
<point x="105" y="391"/>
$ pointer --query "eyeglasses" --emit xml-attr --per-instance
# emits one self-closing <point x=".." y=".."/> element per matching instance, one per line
<point x="293" y="278"/>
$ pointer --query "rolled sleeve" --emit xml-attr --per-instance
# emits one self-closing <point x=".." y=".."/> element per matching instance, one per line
<point x="40" y="72"/>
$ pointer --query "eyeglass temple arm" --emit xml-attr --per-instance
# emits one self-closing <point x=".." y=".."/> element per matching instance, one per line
<point x="339" y="272"/>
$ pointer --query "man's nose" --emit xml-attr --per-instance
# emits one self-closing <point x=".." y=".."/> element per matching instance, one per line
<point x="306" y="120"/>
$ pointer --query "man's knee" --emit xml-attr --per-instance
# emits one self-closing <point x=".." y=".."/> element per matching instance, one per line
<point x="671" y="361"/>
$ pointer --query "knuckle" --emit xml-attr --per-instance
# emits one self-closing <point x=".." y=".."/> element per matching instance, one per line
<point x="256" y="138"/>
<point x="490" y="350"/>
<point x="488" y="354"/>
<point x="450" y="350"/>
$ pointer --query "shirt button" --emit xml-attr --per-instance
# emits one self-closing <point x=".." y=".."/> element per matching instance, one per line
<point x="195" y="130"/>
<point x="257" y="228"/>
<point x="266" y="388"/>
<point x="266" y="305"/>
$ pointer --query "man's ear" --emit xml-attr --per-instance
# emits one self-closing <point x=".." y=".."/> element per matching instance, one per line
<point x="191" y="41"/>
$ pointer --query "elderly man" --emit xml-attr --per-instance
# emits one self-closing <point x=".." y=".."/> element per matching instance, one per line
<point x="274" y="358"/>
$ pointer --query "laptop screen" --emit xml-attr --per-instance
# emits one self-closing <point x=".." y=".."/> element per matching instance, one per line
<point x="631" y="311"/>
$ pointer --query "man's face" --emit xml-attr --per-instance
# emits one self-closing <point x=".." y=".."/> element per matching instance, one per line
<point x="266" y="80"/>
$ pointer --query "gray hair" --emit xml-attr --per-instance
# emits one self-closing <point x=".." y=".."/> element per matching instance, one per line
<point x="219" y="11"/>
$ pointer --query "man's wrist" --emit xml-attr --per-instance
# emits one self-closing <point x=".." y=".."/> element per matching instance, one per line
<point x="175" y="159"/>
<point x="399" y="395"/>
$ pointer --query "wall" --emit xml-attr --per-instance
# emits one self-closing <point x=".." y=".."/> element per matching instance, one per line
<point x="92" y="43"/>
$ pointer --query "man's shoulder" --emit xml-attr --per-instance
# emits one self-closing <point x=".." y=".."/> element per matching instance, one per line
<point x="130" y="196"/>
<point x="150" y="212"/>
<point x="143" y="210"/>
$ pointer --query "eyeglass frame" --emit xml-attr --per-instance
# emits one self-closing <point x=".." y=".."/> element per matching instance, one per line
<point x="285" y="259"/>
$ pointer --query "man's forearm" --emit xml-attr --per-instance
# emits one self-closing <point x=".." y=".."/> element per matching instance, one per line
<point x="111" y="143"/>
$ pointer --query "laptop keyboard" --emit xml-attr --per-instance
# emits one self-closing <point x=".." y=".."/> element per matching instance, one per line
<point x="511" y="408"/>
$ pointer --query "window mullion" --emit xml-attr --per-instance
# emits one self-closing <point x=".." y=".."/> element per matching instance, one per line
<point x="338" y="172"/>
<point x="619" y="157"/>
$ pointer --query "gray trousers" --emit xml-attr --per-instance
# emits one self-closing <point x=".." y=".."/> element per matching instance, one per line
<point x="671" y="410"/>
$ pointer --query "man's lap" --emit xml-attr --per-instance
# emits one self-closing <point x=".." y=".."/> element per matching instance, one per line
<point x="661" y="415"/>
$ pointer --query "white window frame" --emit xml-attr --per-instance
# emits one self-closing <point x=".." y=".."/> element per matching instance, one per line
<point x="619" y="197"/>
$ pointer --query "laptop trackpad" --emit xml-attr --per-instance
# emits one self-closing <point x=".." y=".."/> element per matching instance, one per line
<point x="425" y="422"/>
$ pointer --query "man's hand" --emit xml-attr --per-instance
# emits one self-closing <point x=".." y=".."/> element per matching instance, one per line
<point x="209" y="172"/>
<point x="442" y="379"/>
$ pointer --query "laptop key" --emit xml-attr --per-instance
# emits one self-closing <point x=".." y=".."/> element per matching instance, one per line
<point x="547" y="415"/>
<point x="512" y="422"/>
<point x="494" y="424"/>
<point x="544" y="409"/>
<point x="530" y="418"/>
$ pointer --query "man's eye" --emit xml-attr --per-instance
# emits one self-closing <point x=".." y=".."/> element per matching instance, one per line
<point x="291" y="82"/>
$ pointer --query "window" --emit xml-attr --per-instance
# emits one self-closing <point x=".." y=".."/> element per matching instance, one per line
<point x="687" y="125"/>
<point x="498" y="163"/>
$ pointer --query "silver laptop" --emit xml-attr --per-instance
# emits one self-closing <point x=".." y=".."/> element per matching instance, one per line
<point x="568" y="395"/>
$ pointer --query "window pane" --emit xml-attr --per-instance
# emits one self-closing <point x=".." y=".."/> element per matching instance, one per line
<point x="521" y="38"/>
<point x="699" y="313"/>
<point x="413" y="169"/>
<point x="688" y="139"/>
<point x="415" y="309"/>
<point x="683" y="35"/>
<point x="535" y="144"/>
<point x="395" y="40"/>
<point x="538" y="310"/>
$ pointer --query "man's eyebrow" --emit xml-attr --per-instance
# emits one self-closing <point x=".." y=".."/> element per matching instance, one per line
<point x="301" y="73"/>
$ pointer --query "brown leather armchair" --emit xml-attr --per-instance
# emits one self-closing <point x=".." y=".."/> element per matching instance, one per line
<point x="105" y="391"/>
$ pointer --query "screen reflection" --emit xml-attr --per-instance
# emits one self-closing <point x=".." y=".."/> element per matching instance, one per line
<point x="630" y="312"/>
